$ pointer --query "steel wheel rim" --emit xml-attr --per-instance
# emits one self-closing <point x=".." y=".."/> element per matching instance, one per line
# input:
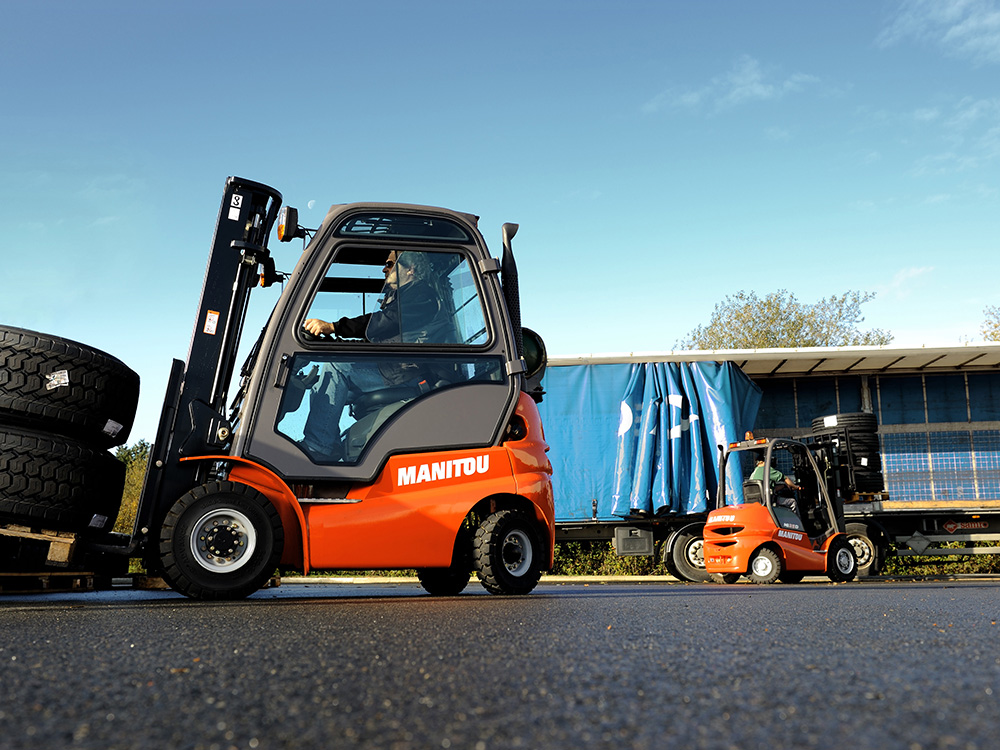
<point x="695" y="554"/>
<point x="843" y="561"/>
<point x="516" y="553"/>
<point x="863" y="551"/>
<point x="762" y="566"/>
<point x="223" y="540"/>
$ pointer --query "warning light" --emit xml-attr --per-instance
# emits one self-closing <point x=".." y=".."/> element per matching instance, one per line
<point x="288" y="224"/>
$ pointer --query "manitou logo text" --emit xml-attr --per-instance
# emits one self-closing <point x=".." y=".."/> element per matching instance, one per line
<point x="789" y="535"/>
<point x="952" y="526"/>
<point x="435" y="472"/>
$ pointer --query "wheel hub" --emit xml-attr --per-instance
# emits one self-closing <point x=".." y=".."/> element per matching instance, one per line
<point x="223" y="540"/>
<point x="516" y="553"/>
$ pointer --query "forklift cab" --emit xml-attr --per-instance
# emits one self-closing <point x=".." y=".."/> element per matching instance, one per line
<point x="416" y="356"/>
<point x="783" y="477"/>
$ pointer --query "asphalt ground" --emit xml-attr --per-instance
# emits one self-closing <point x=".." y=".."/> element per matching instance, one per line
<point x="625" y="664"/>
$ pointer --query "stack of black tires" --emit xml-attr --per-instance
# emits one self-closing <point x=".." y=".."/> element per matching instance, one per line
<point x="63" y="406"/>
<point x="858" y="448"/>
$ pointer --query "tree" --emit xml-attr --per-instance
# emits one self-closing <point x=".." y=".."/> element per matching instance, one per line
<point x="779" y="320"/>
<point x="135" y="458"/>
<point x="991" y="326"/>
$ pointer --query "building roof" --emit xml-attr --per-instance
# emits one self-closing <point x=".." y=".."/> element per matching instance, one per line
<point x="838" y="360"/>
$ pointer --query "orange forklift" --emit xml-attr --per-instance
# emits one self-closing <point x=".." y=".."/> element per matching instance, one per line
<point x="781" y="524"/>
<point x="385" y="418"/>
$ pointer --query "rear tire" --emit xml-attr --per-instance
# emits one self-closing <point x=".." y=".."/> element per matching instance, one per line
<point x="56" y="385"/>
<point x="506" y="555"/>
<point x="57" y="482"/>
<point x="221" y="540"/>
<point x="791" y="576"/>
<point x="765" y="567"/>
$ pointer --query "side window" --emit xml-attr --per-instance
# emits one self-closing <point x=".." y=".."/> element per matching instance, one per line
<point x="409" y="297"/>
<point x="333" y="405"/>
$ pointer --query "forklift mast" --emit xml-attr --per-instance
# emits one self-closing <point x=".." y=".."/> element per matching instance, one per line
<point x="193" y="419"/>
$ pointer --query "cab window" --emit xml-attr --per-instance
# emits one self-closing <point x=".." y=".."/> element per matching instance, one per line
<point x="410" y="296"/>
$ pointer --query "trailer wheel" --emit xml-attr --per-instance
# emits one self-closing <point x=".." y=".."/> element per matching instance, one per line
<point x="221" y="540"/>
<point x="765" y="566"/>
<point x="841" y="564"/>
<point x="56" y="385"/>
<point x="869" y="552"/>
<point x="444" y="581"/>
<point x="687" y="553"/>
<point x="58" y="482"/>
<point x="505" y="553"/>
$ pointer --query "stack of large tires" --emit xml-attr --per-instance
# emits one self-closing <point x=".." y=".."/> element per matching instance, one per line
<point x="63" y="406"/>
<point x="860" y="454"/>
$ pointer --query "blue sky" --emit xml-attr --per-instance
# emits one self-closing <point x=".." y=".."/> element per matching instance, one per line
<point x="658" y="156"/>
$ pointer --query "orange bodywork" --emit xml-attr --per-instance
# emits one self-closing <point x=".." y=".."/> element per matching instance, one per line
<point x="734" y="533"/>
<point x="410" y="515"/>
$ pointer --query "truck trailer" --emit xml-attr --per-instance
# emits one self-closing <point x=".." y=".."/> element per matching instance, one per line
<point x="913" y="436"/>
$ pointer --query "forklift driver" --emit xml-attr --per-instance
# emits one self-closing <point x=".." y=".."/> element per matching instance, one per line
<point x="780" y="484"/>
<point x="409" y="312"/>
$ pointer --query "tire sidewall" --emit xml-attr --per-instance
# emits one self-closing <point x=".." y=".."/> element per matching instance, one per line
<point x="839" y="551"/>
<point x="774" y="566"/>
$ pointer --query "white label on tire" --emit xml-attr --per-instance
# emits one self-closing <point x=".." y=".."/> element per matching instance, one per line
<point x="56" y="379"/>
<point x="112" y="428"/>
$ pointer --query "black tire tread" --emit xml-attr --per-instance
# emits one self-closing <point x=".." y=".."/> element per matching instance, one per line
<point x="58" y="482"/>
<point x="101" y="388"/>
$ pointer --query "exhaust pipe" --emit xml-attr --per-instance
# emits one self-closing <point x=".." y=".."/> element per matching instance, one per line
<point x="508" y="280"/>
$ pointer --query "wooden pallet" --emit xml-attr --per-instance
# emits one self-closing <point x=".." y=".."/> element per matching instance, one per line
<point x="61" y="543"/>
<point x="867" y="497"/>
<point x="46" y="582"/>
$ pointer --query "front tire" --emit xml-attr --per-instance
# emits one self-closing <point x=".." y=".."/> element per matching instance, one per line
<point x="841" y="563"/>
<point x="221" y="540"/>
<point x="506" y="555"/>
<point x="444" y="581"/>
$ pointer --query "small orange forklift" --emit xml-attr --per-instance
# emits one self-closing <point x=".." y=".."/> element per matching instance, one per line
<point x="781" y="525"/>
<point x="385" y="418"/>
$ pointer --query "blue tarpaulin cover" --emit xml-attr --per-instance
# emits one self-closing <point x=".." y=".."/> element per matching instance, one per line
<point x="643" y="436"/>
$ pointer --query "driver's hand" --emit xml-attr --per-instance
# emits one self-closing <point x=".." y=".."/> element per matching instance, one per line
<point x="308" y="379"/>
<point x="318" y="327"/>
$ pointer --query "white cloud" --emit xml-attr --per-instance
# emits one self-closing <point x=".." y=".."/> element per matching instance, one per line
<point x="966" y="29"/>
<point x="747" y="81"/>
<point x="903" y="282"/>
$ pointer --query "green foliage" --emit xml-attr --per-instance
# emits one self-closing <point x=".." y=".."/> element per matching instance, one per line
<point x="991" y="326"/>
<point x="135" y="458"/>
<point x="912" y="565"/>
<point x="599" y="559"/>
<point x="778" y="320"/>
